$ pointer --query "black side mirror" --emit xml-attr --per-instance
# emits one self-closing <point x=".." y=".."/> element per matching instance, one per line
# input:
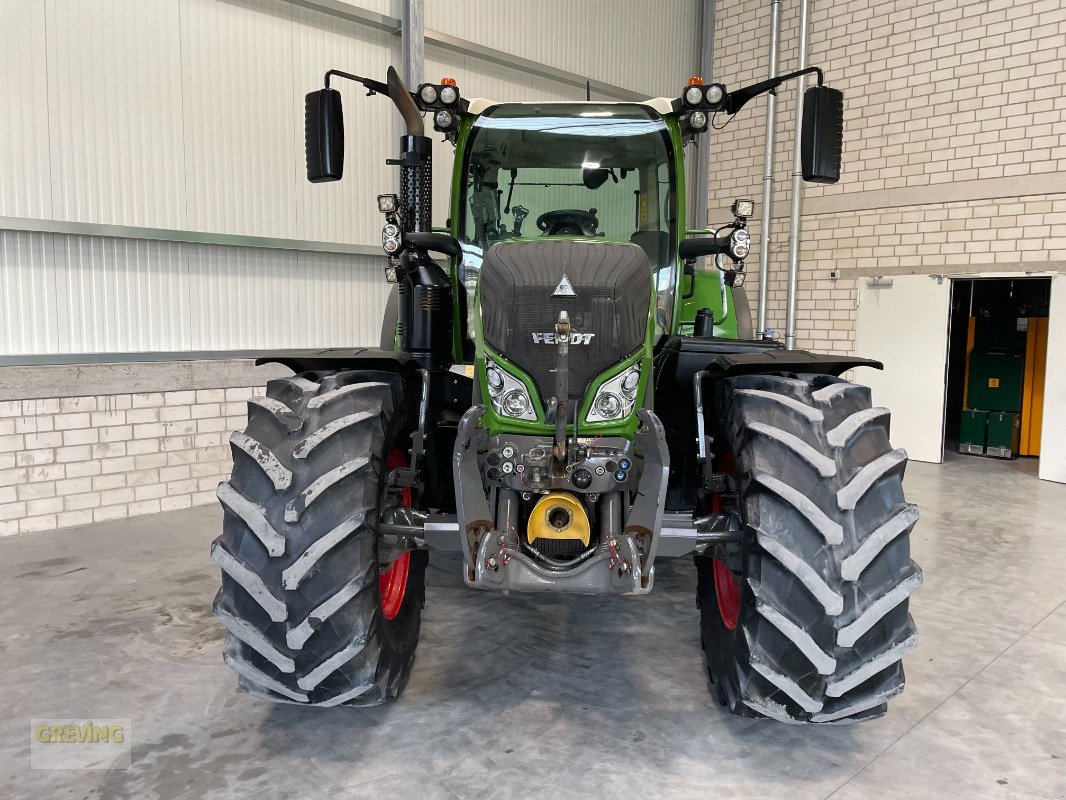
<point x="324" y="135"/>
<point x="822" y="135"/>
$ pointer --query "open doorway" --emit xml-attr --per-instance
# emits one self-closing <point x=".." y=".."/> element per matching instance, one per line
<point x="997" y="357"/>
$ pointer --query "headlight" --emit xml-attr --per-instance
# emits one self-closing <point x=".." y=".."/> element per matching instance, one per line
<point x="448" y="95"/>
<point x="714" y="94"/>
<point x="507" y="394"/>
<point x="428" y="93"/>
<point x="694" y="95"/>
<point x="616" y="397"/>
<point x="608" y="405"/>
<point x="443" y="119"/>
<point x="515" y="403"/>
<point x="697" y="120"/>
<point x="743" y="208"/>
<point x="391" y="238"/>
<point x="495" y="380"/>
<point x="740" y="243"/>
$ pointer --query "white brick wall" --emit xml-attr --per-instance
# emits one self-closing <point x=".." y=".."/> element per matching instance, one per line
<point x="954" y="145"/>
<point x="76" y="460"/>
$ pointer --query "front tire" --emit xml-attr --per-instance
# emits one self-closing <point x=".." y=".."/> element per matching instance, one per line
<point x="809" y="623"/>
<point x="310" y="617"/>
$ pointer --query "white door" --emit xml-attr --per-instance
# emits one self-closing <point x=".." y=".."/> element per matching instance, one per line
<point x="1053" y="431"/>
<point x="903" y="322"/>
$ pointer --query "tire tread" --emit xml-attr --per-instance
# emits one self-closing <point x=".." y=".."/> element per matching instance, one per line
<point x="827" y="574"/>
<point x="298" y="551"/>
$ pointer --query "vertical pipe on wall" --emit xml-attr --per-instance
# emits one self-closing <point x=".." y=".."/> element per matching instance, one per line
<point x="412" y="33"/>
<point x="768" y="170"/>
<point x="797" y="186"/>
<point x="703" y="148"/>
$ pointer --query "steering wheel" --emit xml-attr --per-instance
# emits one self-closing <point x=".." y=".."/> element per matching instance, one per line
<point x="569" y="222"/>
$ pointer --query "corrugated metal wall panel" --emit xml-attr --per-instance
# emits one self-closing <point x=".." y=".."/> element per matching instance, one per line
<point x="25" y="182"/>
<point x="120" y="295"/>
<point x="239" y="119"/>
<point x="115" y="112"/>
<point x="29" y="319"/>
<point x="188" y="115"/>
<point x="644" y="45"/>
<point x="92" y="294"/>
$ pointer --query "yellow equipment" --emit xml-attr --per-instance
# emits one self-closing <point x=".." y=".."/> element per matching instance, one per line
<point x="558" y="515"/>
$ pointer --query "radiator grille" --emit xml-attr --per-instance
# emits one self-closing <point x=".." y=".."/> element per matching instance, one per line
<point x="612" y="298"/>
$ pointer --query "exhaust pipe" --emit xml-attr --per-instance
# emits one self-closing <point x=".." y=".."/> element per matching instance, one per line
<point x="401" y="98"/>
<point x="415" y="161"/>
<point x="425" y="308"/>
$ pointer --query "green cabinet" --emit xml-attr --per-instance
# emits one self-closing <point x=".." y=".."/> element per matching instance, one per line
<point x="973" y="432"/>
<point x="1000" y="333"/>
<point x="1004" y="429"/>
<point x="996" y="381"/>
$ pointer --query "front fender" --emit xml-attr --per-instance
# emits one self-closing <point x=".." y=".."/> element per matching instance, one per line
<point x="338" y="358"/>
<point x="683" y="356"/>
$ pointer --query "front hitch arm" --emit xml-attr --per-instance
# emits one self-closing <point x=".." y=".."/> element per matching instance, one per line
<point x="400" y="528"/>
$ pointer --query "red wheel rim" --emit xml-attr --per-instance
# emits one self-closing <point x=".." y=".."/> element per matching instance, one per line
<point x="727" y="589"/>
<point x="392" y="582"/>
<point x="726" y="586"/>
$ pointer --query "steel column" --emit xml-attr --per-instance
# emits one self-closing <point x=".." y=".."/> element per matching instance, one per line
<point x="703" y="147"/>
<point x="413" y="41"/>
<point x="797" y="185"/>
<point x="768" y="171"/>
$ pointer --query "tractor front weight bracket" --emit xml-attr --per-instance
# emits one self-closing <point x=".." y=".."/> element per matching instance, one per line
<point x="623" y="562"/>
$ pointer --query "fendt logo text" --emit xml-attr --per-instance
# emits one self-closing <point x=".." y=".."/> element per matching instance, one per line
<point x="575" y="338"/>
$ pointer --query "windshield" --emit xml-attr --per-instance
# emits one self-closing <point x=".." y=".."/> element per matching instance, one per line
<point x="552" y="169"/>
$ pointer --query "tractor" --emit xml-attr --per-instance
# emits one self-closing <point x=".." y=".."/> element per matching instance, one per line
<point x="564" y="393"/>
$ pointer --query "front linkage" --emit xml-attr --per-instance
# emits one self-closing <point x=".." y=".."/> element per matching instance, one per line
<point x="622" y="556"/>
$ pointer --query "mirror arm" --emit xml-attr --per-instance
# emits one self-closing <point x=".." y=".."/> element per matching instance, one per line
<point x="373" y="86"/>
<point x="738" y="99"/>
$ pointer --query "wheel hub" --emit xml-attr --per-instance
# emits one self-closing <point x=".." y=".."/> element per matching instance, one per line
<point x="726" y="586"/>
<point x="392" y="582"/>
<point x="727" y="589"/>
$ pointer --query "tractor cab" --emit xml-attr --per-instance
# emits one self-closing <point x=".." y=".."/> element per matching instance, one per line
<point x="611" y="173"/>
<point x="606" y="172"/>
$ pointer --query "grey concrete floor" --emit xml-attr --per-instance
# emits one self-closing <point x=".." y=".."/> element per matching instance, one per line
<point x="544" y="697"/>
